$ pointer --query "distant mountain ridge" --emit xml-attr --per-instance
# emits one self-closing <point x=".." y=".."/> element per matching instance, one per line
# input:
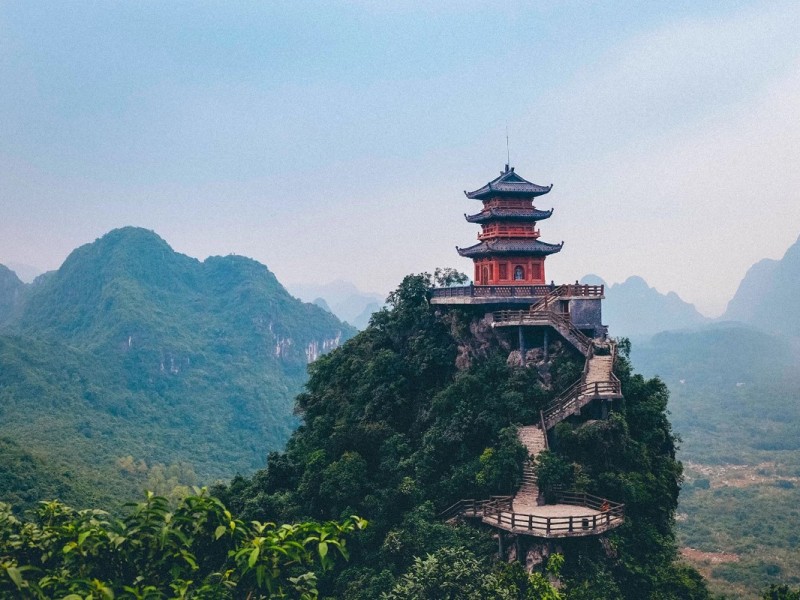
<point x="26" y="273"/>
<point x="133" y="350"/>
<point x="634" y="309"/>
<point x="342" y="298"/>
<point x="767" y="297"/>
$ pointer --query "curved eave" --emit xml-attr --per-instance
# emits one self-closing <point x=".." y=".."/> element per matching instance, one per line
<point x="509" y="215"/>
<point x="508" y="190"/>
<point x="510" y="248"/>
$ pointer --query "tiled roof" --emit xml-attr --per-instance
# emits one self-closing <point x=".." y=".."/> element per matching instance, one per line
<point x="504" y="246"/>
<point x="510" y="214"/>
<point x="509" y="184"/>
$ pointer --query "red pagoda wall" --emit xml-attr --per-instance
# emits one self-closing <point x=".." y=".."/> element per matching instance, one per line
<point x="501" y="271"/>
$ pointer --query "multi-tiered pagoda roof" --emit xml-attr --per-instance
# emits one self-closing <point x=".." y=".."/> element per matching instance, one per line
<point x="510" y="247"/>
<point x="509" y="184"/>
<point x="509" y="214"/>
<point x="508" y="251"/>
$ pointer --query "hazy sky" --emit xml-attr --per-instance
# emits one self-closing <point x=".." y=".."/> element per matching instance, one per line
<point x="334" y="139"/>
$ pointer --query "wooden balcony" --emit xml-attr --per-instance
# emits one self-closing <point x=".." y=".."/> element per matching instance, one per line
<point x="489" y="294"/>
<point x="493" y="231"/>
<point x="514" y="294"/>
<point x="575" y="514"/>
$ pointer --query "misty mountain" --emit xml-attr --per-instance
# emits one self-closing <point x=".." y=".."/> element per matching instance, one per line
<point x="26" y="273"/>
<point x="634" y="309"/>
<point x="345" y="300"/>
<point x="768" y="295"/>
<point x="11" y="293"/>
<point x="322" y="304"/>
<point x="362" y="320"/>
<point x="133" y="354"/>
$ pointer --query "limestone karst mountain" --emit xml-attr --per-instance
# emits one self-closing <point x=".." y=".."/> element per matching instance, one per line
<point x="421" y="412"/>
<point x="132" y="354"/>
<point x="634" y="309"/>
<point x="767" y="296"/>
<point x="11" y="290"/>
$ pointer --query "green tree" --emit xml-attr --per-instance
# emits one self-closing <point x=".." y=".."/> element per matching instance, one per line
<point x="455" y="574"/>
<point x="781" y="592"/>
<point x="196" y="550"/>
<point x="552" y="473"/>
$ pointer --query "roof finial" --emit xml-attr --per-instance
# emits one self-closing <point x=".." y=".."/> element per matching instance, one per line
<point x="508" y="151"/>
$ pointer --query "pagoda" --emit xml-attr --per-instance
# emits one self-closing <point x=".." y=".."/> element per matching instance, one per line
<point x="509" y="251"/>
<point x="509" y="259"/>
<point x="509" y="287"/>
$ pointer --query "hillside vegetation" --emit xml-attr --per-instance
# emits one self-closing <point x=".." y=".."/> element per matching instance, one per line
<point x="735" y="393"/>
<point x="419" y="411"/>
<point x="133" y="365"/>
<point x="11" y="292"/>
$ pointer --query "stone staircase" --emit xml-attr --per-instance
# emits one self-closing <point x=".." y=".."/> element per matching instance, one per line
<point x="597" y="381"/>
<point x="573" y="513"/>
<point x="599" y="368"/>
<point x="533" y="438"/>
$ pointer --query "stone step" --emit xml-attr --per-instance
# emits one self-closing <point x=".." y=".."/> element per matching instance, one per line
<point x="533" y="438"/>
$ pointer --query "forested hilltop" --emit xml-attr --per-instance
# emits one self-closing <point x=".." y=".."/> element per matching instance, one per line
<point x="421" y="410"/>
<point x="134" y="366"/>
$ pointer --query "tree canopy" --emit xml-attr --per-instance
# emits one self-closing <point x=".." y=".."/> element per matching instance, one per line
<point x="421" y="410"/>
<point x="197" y="549"/>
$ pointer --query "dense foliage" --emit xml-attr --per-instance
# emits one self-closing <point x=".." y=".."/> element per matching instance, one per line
<point x="455" y="573"/>
<point x="420" y="410"/>
<point x="25" y="478"/>
<point x="781" y="592"/>
<point x="134" y="366"/>
<point x="196" y="550"/>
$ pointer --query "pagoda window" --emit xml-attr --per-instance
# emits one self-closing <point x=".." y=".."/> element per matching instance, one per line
<point x="519" y="273"/>
<point x="485" y="275"/>
<point x="503" y="268"/>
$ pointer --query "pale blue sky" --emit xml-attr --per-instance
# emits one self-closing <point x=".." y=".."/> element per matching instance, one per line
<point x="333" y="140"/>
